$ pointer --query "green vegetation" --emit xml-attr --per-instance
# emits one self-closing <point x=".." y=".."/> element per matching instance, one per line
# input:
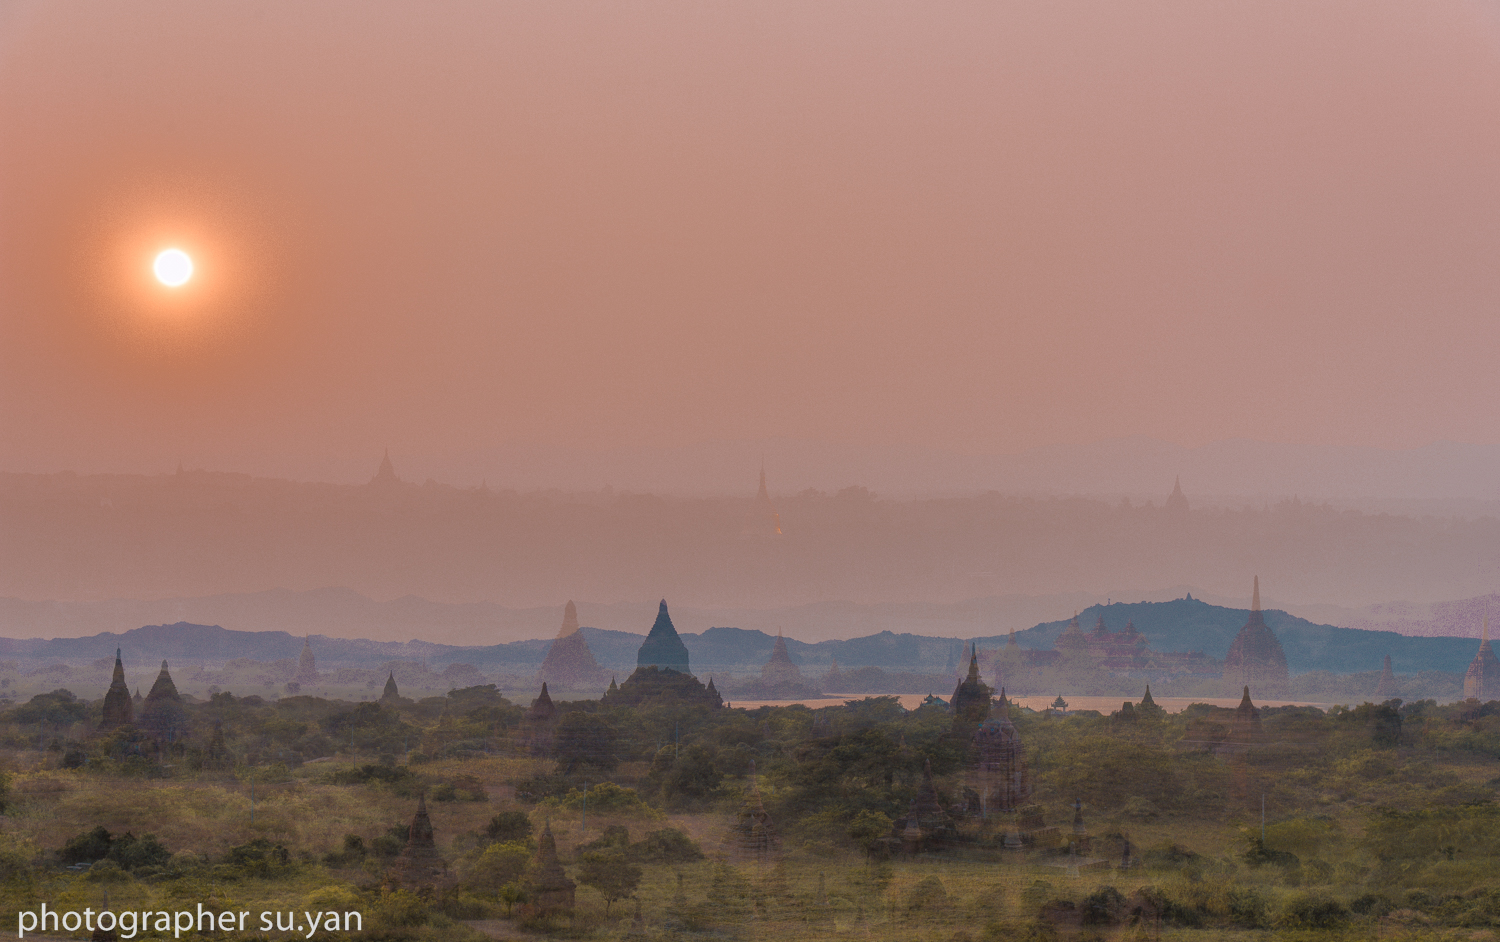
<point x="1380" y="818"/>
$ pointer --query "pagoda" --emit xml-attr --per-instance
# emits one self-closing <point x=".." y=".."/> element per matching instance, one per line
<point x="419" y="863"/>
<point x="1255" y="657"/>
<point x="549" y="892"/>
<point x="1387" y="689"/>
<point x="391" y="696"/>
<point x="307" y="665"/>
<point x="1482" y="678"/>
<point x="663" y="649"/>
<point x="118" y="710"/>
<point x="569" y="662"/>
<point x="971" y="698"/>
<point x="163" y="713"/>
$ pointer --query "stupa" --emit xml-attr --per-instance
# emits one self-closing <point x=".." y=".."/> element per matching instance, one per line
<point x="569" y="662"/>
<point x="971" y="698"/>
<point x="549" y="892"/>
<point x="307" y="665"/>
<point x="163" y="714"/>
<point x="1482" y="678"/>
<point x="663" y="649"/>
<point x="1387" y="689"/>
<point x="419" y="863"/>
<point x="118" y="710"/>
<point x="1255" y="657"/>
<point x="391" y="694"/>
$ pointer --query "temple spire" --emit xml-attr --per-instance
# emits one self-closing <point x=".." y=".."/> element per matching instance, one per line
<point x="1255" y="597"/>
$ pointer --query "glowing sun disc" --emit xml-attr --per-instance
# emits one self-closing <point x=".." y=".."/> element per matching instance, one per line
<point x="173" y="268"/>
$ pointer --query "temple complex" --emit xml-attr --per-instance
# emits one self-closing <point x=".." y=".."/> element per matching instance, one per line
<point x="1386" y="689"/>
<point x="1255" y="657"/>
<point x="1077" y="655"/>
<point x="419" y="863"/>
<point x="1482" y="679"/>
<point x="537" y="724"/>
<point x="118" y="710"/>
<point x="307" y="665"/>
<point x="997" y="768"/>
<point x="549" y="892"/>
<point x="971" y="698"/>
<point x="662" y="671"/>
<point x="163" y="714"/>
<point x="569" y="662"/>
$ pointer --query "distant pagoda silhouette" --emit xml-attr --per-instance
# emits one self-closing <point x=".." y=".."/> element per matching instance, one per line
<point x="1387" y="688"/>
<point x="1482" y="678"/>
<point x="385" y="477"/>
<point x="1255" y="657"/>
<point x="762" y="520"/>
<point x="307" y="665"/>
<point x="569" y="662"/>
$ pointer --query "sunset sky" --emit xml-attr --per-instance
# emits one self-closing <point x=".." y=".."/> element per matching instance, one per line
<point x="981" y="228"/>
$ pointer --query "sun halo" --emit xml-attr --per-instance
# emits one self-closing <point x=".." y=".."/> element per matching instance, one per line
<point x="173" y="267"/>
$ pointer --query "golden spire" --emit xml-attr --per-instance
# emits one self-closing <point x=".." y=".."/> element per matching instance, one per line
<point x="1255" y="599"/>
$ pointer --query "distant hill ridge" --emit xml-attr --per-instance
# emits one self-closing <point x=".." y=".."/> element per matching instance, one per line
<point x="1180" y="625"/>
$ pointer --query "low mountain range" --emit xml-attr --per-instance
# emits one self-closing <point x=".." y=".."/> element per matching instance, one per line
<point x="1185" y="624"/>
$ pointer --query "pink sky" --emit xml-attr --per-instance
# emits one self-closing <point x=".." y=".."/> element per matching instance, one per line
<point x="975" y="227"/>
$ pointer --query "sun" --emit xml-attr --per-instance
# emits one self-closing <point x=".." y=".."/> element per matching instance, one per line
<point x="173" y="267"/>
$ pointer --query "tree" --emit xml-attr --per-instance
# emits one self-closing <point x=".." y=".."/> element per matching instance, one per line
<point x="610" y="875"/>
<point x="584" y="739"/>
<point x="867" y="828"/>
<point x="511" y="894"/>
<point x="509" y="827"/>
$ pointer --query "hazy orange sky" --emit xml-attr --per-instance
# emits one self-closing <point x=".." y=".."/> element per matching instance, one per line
<point x="977" y="227"/>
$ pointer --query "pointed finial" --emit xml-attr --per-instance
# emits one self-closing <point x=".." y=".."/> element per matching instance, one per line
<point x="1486" y="634"/>
<point x="1255" y="598"/>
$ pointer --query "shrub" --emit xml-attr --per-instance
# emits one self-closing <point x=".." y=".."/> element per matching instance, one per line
<point x="928" y="896"/>
<point x="667" y="845"/>
<point x="509" y="827"/>
<point x="1314" y="912"/>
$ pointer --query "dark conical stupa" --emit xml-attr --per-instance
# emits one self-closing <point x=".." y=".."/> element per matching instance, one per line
<point x="419" y="863"/>
<point x="663" y="649"/>
<point x="391" y="694"/>
<point x="118" y="710"/>
<point x="163" y="712"/>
